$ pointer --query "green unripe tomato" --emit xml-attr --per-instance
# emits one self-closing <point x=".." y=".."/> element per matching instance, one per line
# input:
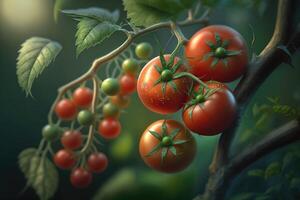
<point x="51" y="132"/>
<point x="110" y="110"/>
<point x="85" y="117"/>
<point x="130" y="66"/>
<point x="110" y="86"/>
<point x="143" y="50"/>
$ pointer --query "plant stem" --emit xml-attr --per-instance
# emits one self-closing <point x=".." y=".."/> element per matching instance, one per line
<point x="191" y="76"/>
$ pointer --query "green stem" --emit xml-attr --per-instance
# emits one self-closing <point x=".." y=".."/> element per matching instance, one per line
<point x="191" y="76"/>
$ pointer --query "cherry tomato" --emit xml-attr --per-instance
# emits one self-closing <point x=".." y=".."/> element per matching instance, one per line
<point x="143" y="50"/>
<point x="81" y="178"/>
<point x="210" y="114"/>
<point x="127" y="84"/>
<point x="82" y="97"/>
<point x="177" y="146"/>
<point x="167" y="96"/>
<point x="130" y="66"/>
<point x="120" y="100"/>
<point x="109" y="128"/>
<point x="111" y="110"/>
<point x="71" y="139"/>
<point x="85" y="117"/>
<point x="64" y="159"/>
<point x="97" y="162"/>
<point x="110" y="86"/>
<point x="217" y="53"/>
<point x="65" y="109"/>
<point x="51" y="132"/>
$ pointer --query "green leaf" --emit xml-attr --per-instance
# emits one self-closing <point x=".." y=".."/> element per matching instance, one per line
<point x="272" y="170"/>
<point x="34" y="56"/>
<point x="148" y="12"/>
<point x="174" y="132"/>
<point x="99" y="14"/>
<point x="40" y="173"/>
<point x="173" y="150"/>
<point x="155" y="134"/>
<point x="158" y="69"/>
<point x="218" y="39"/>
<point x="256" y="172"/>
<point x="225" y="43"/>
<point x="210" y="44"/>
<point x="154" y="150"/>
<point x="57" y="8"/>
<point x="91" y="32"/>
<point x="162" y="60"/>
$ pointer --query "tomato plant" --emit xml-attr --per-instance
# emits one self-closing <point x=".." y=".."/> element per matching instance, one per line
<point x="110" y="86"/>
<point x="51" y="132"/>
<point x="85" y="117"/>
<point x="127" y="84"/>
<point x="217" y="53"/>
<point x="157" y="88"/>
<point x="97" y="162"/>
<point x="167" y="146"/>
<point x="65" y="159"/>
<point x="109" y="128"/>
<point x="130" y="66"/>
<point x="71" y="139"/>
<point x="143" y="50"/>
<point x="210" y="112"/>
<point x="66" y="109"/>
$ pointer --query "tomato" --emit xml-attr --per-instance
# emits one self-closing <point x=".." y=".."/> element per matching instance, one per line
<point x="217" y="53"/>
<point x="210" y="114"/>
<point x="177" y="146"/>
<point x="71" y="139"/>
<point x="143" y="50"/>
<point x="110" y="86"/>
<point x="111" y="110"/>
<point x="81" y="178"/>
<point x="85" y="117"/>
<point x="120" y="100"/>
<point x="130" y="66"/>
<point x="157" y="89"/>
<point x="65" y="109"/>
<point x="97" y="162"/>
<point x="127" y="84"/>
<point x="64" y="159"/>
<point x="51" y="132"/>
<point x="82" y="97"/>
<point x="109" y="128"/>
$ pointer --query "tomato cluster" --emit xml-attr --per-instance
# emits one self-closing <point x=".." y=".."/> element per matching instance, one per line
<point x="167" y="83"/>
<point x="79" y="153"/>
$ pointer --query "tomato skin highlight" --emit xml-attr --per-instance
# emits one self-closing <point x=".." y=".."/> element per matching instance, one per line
<point x="82" y="97"/>
<point x="64" y="159"/>
<point x="212" y="116"/>
<point x="71" y="139"/>
<point x="127" y="84"/>
<point x="197" y="48"/>
<point x="81" y="178"/>
<point x="65" y="109"/>
<point x="109" y="128"/>
<point x="97" y="162"/>
<point x="152" y="96"/>
<point x="171" y="164"/>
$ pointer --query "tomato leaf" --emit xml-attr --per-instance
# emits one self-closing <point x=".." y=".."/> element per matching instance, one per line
<point x="256" y="172"/>
<point x="40" y="173"/>
<point x="154" y="11"/>
<point x="272" y="170"/>
<point x="35" y="55"/>
<point x="155" y="134"/>
<point x="95" y="25"/>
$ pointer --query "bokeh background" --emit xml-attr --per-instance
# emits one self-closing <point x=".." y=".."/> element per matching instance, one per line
<point x="127" y="177"/>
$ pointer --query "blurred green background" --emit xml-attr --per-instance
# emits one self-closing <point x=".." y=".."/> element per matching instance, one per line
<point x="22" y="118"/>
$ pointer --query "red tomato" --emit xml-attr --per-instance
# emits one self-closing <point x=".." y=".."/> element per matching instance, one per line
<point x="81" y="178"/>
<point x="109" y="128"/>
<point x="82" y="97"/>
<point x="65" y="109"/>
<point x="217" y="53"/>
<point x="64" y="159"/>
<point x="127" y="84"/>
<point x="120" y="100"/>
<point x="153" y="97"/>
<point x="185" y="151"/>
<point x="71" y="139"/>
<point x="210" y="115"/>
<point x="97" y="162"/>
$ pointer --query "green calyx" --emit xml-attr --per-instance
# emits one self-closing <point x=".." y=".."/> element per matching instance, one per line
<point x="167" y="141"/>
<point x="168" y="70"/>
<point x="219" y="51"/>
<point x="200" y="98"/>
